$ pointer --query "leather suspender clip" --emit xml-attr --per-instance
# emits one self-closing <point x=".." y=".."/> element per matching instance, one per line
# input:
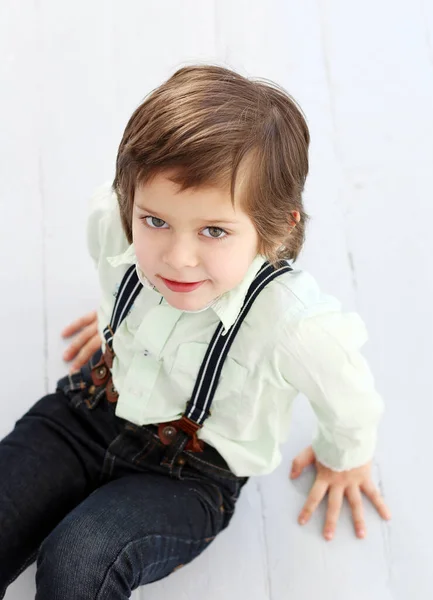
<point x="101" y="375"/>
<point x="167" y="433"/>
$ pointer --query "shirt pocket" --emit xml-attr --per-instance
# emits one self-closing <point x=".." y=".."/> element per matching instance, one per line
<point x="229" y="392"/>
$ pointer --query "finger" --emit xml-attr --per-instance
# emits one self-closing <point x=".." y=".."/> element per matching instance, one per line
<point x="79" y="324"/>
<point x="86" y="334"/>
<point x="315" y="497"/>
<point x="335" y="500"/>
<point x="354" y="498"/>
<point x="376" y="499"/>
<point x="303" y="460"/>
<point x="76" y="346"/>
<point x="86" y="353"/>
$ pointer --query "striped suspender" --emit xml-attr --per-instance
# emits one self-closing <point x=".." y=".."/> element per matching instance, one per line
<point x="198" y="407"/>
<point x="129" y="289"/>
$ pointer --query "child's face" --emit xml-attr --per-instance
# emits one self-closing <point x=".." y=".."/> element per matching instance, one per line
<point x="192" y="246"/>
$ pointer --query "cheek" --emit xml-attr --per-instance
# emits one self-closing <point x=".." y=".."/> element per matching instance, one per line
<point x="144" y="250"/>
<point x="229" y="267"/>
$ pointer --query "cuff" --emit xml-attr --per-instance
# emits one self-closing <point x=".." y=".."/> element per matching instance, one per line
<point x="341" y="453"/>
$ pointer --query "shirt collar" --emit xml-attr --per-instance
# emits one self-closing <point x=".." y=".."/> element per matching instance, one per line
<point x="125" y="258"/>
<point x="129" y="258"/>
<point x="227" y="306"/>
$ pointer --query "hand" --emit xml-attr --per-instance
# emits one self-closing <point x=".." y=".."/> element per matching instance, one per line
<point x="85" y="344"/>
<point x="338" y="484"/>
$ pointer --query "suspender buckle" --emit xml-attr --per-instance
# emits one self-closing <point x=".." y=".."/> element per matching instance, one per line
<point x="167" y="433"/>
<point x="100" y="373"/>
<point x="110" y="391"/>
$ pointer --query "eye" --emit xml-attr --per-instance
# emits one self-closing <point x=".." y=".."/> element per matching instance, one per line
<point x="155" y="223"/>
<point x="215" y="232"/>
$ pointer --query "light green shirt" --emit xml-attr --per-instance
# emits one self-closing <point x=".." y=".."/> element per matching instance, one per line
<point x="294" y="339"/>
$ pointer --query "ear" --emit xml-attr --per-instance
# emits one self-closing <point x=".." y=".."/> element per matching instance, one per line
<point x="296" y="218"/>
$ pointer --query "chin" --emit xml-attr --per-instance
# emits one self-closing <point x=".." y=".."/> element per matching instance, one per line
<point x="184" y="303"/>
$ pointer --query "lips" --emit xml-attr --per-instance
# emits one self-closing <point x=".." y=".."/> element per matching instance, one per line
<point x="181" y="286"/>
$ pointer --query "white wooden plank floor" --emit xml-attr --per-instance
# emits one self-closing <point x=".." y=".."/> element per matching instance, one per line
<point x="71" y="74"/>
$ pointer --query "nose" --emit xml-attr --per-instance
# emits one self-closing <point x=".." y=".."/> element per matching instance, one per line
<point x="180" y="252"/>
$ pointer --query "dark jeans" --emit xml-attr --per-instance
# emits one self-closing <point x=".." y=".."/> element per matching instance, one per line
<point x="99" y="502"/>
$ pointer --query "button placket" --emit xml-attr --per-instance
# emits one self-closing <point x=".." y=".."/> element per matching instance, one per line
<point x="155" y="330"/>
<point x="140" y="381"/>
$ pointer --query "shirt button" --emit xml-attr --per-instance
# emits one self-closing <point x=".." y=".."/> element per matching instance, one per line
<point x="146" y="353"/>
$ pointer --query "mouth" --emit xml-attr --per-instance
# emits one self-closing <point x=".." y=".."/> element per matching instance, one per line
<point x="181" y="286"/>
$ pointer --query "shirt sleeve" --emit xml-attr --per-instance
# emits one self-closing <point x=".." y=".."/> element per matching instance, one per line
<point x="102" y="205"/>
<point x="320" y="357"/>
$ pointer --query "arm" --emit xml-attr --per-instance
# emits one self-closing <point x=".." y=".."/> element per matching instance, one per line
<point x="102" y="210"/>
<point x="85" y="329"/>
<point x="320" y="356"/>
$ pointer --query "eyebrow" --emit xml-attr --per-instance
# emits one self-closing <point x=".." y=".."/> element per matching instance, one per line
<point x="207" y="221"/>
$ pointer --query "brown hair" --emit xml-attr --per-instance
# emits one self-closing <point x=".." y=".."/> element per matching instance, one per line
<point x="204" y="123"/>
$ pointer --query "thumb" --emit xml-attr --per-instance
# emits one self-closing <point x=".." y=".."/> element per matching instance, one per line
<point x="304" y="459"/>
